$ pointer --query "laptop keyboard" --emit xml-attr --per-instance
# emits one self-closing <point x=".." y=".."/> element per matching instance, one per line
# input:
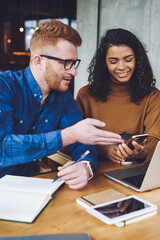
<point x="136" y="181"/>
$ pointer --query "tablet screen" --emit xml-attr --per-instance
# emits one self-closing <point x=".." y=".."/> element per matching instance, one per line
<point x="120" y="208"/>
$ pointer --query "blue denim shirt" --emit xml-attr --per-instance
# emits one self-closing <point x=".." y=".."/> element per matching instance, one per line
<point x="29" y="131"/>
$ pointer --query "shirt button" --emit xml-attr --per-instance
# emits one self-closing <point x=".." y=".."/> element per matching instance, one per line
<point x="58" y="151"/>
<point x="34" y="160"/>
<point x="33" y="127"/>
<point x="40" y="96"/>
<point x="0" y="111"/>
<point x="21" y="121"/>
<point x="35" y="95"/>
<point x="46" y="120"/>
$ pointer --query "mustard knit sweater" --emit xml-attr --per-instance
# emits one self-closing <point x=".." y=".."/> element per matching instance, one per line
<point x="122" y="115"/>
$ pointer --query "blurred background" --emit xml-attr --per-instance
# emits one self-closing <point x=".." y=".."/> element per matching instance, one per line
<point x="18" y="19"/>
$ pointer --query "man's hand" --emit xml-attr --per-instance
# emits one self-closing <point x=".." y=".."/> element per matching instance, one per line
<point x="75" y="175"/>
<point x="87" y="132"/>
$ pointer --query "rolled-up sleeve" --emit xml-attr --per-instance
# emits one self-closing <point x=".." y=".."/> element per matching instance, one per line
<point x="72" y="115"/>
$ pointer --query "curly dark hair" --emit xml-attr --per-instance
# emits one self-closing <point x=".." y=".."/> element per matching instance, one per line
<point x="142" y="81"/>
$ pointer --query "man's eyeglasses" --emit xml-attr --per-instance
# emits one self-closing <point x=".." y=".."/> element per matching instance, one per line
<point x="68" y="63"/>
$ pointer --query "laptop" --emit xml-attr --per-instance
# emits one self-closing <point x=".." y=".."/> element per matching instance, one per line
<point x="141" y="178"/>
<point x="65" y="236"/>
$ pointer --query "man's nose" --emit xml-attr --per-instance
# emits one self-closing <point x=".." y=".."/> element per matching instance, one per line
<point x="72" y="71"/>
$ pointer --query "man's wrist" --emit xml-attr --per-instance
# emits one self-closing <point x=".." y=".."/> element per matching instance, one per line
<point x="68" y="136"/>
<point x="90" y="167"/>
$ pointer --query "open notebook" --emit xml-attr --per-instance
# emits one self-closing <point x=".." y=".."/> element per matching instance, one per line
<point x="23" y="198"/>
<point x="140" y="178"/>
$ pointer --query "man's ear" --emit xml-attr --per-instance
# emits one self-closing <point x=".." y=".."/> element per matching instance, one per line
<point x="38" y="61"/>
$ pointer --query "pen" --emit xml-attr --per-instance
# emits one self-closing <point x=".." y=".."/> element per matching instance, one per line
<point x="81" y="157"/>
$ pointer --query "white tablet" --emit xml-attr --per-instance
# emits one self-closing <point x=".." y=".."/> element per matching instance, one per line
<point x="121" y="210"/>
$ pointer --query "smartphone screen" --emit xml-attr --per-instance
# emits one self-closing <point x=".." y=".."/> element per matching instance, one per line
<point x="138" y="138"/>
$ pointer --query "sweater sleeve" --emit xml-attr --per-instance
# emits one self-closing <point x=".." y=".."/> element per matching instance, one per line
<point x="152" y="123"/>
<point x="82" y="102"/>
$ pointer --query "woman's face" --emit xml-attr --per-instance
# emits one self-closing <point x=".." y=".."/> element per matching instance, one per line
<point x="121" y="63"/>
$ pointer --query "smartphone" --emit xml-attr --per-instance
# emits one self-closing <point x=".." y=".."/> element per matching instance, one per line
<point x="138" y="138"/>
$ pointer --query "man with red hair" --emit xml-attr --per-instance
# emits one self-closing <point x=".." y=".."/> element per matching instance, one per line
<point x="39" y="117"/>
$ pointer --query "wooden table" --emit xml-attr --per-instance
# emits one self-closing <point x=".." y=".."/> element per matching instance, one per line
<point x="64" y="215"/>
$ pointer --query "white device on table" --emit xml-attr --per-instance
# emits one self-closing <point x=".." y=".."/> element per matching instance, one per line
<point x="130" y="208"/>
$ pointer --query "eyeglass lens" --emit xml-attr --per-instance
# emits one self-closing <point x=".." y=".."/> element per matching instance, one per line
<point x="69" y="64"/>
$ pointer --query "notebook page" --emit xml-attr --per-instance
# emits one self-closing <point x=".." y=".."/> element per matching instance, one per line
<point x="21" y="206"/>
<point x="29" y="184"/>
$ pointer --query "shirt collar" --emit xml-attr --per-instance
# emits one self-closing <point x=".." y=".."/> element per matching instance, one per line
<point x="37" y="93"/>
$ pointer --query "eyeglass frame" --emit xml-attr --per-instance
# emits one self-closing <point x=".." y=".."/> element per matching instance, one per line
<point x="63" y="60"/>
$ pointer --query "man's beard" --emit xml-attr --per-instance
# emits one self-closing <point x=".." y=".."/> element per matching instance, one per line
<point x="51" y="77"/>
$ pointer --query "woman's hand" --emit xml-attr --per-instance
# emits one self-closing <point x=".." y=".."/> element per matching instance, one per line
<point x="139" y="150"/>
<point x="110" y="152"/>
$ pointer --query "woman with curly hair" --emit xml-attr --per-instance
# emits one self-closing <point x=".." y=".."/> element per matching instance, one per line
<point x="122" y="93"/>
